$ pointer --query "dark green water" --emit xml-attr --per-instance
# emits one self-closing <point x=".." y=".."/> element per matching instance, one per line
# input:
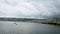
<point x="27" y="28"/>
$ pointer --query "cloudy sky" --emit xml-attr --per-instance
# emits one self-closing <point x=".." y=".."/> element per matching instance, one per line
<point x="30" y="8"/>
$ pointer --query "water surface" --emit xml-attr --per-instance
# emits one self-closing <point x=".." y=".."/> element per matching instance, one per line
<point x="27" y="28"/>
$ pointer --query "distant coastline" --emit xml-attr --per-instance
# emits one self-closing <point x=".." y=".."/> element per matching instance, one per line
<point x="44" y="21"/>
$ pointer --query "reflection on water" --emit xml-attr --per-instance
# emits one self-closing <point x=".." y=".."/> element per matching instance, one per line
<point x="27" y="28"/>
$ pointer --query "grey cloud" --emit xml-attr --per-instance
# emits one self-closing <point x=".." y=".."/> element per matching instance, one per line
<point x="10" y="2"/>
<point x="32" y="8"/>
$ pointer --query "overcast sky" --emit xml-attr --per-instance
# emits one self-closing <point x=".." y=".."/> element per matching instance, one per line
<point x="30" y="8"/>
